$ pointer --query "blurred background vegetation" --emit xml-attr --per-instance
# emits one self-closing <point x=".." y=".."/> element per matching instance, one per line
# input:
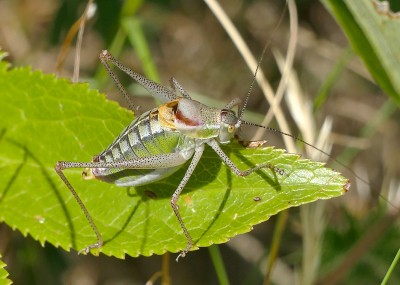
<point x="361" y="234"/>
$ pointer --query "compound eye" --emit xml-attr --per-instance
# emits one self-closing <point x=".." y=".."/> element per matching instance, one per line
<point x="231" y="129"/>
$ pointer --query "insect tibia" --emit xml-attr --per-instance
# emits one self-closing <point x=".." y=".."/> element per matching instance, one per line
<point x="59" y="167"/>
<point x="163" y="94"/>
<point x="176" y="86"/>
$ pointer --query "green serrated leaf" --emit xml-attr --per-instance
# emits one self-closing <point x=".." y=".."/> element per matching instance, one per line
<point x="375" y="38"/>
<point x="3" y="273"/>
<point x="45" y="119"/>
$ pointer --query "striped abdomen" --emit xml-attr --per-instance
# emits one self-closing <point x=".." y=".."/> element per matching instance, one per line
<point x="144" y="137"/>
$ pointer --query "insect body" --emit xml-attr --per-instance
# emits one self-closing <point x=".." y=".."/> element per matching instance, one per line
<point x="178" y="126"/>
<point x="160" y="141"/>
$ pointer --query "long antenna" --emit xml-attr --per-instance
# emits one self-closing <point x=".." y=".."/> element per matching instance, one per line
<point x="308" y="144"/>
<point x="320" y="150"/>
<point x="241" y="110"/>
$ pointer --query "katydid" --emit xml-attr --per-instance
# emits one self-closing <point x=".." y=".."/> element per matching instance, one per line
<point x="160" y="141"/>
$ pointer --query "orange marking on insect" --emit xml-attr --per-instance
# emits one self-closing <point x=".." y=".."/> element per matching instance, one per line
<point x="167" y="114"/>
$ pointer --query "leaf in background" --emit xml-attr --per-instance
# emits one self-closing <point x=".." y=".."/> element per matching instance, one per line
<point x="3" y="273"/>
<point x="45" y="119"/>
<point x="375" y="38"/>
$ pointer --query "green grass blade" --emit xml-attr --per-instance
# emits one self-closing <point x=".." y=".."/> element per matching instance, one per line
<point x="391" y="268"/>
<point x="133" y="28"/>
<point x="331" y="80"/>
<point x="275" y="244"/>
<point x="45" y="119"/>
<point x="218" y="263"/>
